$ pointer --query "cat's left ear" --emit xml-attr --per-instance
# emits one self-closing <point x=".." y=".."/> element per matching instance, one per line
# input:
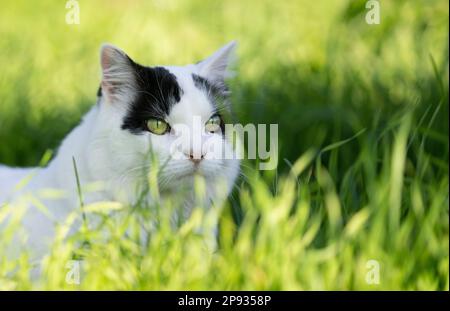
<point x="118" y="78"/>
<point x="216" y="67"/>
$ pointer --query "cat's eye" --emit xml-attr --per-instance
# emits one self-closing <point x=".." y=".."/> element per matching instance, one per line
<point x="157" y="126"/>
<point x="213" y="124"/>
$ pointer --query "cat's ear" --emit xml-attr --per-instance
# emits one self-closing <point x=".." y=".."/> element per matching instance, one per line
<point x="118" y="77"/>
<point x="216" y="67"/>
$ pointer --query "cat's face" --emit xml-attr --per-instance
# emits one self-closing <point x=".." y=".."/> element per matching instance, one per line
<point x="171" y="113"/>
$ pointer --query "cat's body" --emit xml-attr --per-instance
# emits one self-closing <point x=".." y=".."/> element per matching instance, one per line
<point x="140" y="115"/>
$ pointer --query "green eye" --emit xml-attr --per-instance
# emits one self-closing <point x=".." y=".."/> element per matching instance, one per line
<point x="213" y="124"/>
<point x="157" y="126"/>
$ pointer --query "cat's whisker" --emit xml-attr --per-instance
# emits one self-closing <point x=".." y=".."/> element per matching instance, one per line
<point x="129" y="173"/>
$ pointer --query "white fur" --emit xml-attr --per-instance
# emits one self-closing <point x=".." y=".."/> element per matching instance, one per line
<point x="116" y="160"/>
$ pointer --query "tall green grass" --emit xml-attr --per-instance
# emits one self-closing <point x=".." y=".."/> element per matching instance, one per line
<point x="363" y="124"/>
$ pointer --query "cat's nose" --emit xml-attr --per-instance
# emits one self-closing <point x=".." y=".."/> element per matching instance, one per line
<point x="194" y="159"/>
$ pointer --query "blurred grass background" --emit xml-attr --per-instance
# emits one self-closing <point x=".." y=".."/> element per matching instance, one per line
<point x="318" y="70"/>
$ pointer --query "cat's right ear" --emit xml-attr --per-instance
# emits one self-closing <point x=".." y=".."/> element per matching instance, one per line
<point x="118" y="77"/>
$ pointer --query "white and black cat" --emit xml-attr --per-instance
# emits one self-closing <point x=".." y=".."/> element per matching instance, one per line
<point x="138" y="114"/>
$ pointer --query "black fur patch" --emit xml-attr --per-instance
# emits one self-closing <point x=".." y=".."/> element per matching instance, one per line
<point x="157" y="90"/>
<point x="213" y="89"/>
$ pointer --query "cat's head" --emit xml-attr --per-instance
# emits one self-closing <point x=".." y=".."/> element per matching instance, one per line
<point x="175" y="114"/>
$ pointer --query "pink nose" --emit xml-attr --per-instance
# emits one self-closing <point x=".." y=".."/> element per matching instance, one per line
<point x="195" y="160"/>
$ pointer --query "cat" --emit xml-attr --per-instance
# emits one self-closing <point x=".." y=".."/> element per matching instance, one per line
<point x="139" y="115"/>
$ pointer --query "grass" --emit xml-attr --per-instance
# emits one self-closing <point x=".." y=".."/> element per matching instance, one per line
<point x="363" y="131"/>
